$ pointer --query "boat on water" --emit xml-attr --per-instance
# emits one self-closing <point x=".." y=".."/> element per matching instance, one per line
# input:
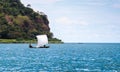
<point x="42" y="42"/>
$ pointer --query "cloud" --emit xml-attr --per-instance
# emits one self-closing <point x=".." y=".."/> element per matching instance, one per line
<point x="69" y="21"/>
<point x="96" y="4"/>
<point x="63" y="20"/>
<point x="67" y="28"/>
<point x="116" y="5"/>
<point x="40" y="1"/>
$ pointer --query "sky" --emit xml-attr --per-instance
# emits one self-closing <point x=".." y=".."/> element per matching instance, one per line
<point x="81" y="20"/>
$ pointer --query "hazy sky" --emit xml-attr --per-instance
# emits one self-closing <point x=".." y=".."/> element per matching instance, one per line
<point x="81" y="20"/>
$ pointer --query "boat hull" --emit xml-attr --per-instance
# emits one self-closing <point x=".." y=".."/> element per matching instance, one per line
<point x="39" y="47"/>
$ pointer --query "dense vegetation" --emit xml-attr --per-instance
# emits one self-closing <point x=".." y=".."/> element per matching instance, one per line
<point x="20" y="22"/>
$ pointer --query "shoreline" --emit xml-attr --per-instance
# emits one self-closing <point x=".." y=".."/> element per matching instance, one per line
<point x="26" y="41"/>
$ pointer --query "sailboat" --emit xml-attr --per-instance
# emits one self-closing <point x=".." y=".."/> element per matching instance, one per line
<point x="42" y="41"/>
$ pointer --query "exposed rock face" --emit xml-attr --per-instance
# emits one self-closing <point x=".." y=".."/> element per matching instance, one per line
<point x="18" y="21"/>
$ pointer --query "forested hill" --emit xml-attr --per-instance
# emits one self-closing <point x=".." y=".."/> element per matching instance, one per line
<point x="21" y="22"/>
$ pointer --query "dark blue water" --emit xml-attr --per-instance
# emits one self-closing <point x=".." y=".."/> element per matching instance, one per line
<point x="60" y="58"/>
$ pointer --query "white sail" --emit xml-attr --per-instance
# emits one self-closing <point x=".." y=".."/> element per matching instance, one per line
<point x="42" y="40"/>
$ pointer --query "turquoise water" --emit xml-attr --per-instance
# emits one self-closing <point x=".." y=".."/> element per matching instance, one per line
<point x="60" y="58"/>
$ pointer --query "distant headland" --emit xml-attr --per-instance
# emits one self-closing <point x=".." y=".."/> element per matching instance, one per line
<point x="19" y="23"/>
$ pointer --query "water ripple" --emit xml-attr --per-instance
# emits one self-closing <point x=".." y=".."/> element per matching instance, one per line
<point x="60" y="58"/>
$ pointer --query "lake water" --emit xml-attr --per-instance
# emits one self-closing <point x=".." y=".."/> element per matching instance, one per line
<point x="60" y="58"/>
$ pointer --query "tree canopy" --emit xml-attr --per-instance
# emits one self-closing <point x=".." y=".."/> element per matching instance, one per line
<point x="20" y="22"/>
